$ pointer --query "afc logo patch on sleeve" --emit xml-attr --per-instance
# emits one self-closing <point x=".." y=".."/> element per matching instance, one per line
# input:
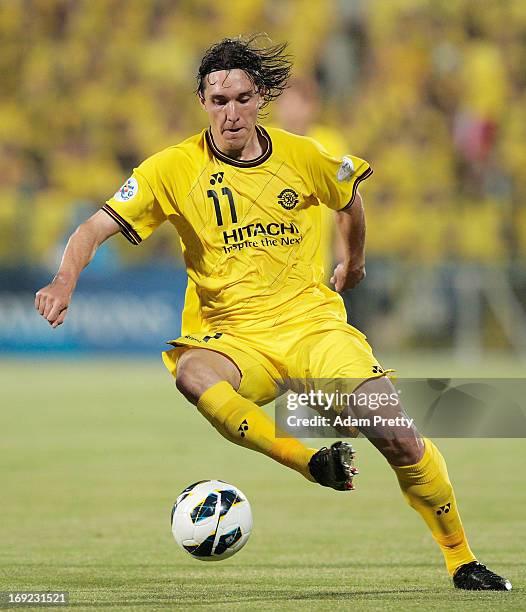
<point x="346" y="170"/>
<point x="127" y="191"/>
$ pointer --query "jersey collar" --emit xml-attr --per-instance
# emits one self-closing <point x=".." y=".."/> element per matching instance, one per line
<point x="240" y="163"/>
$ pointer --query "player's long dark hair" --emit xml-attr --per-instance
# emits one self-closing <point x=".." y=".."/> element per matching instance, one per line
<point x="267" y="66"/>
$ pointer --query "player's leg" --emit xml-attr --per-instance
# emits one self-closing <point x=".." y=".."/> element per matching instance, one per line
<point x="422" y="474"/>
<point x="211" y="381"/>
<point x="418" y="464"/>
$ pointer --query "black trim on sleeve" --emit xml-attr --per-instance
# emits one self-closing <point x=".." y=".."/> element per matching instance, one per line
<point x="126" y="229"/>
<point x="357" y="181"/>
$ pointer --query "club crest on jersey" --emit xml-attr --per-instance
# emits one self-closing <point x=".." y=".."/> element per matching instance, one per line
<point x="288" y="198"/>
<point x="127" y="191"/>
<point x="346" y="170"/>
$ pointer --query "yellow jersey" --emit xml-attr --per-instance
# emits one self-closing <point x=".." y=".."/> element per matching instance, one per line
<point x="249" y="230"/>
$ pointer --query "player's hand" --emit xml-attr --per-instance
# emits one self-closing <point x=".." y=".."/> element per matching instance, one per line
<point x="52" y="302"/>
<point x="347" y="275"/>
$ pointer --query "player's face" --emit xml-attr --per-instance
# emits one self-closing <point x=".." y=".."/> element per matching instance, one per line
<point x="232" y="104"/>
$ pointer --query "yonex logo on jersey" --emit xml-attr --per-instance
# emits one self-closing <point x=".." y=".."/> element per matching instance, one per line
<point x="346" y="170"/>
<point x="216" y="178"/>
<point x="288" y="198"/>
<point x="127" y="191"/>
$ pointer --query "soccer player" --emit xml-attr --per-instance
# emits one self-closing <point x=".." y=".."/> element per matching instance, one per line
<point x="245" y="202"/>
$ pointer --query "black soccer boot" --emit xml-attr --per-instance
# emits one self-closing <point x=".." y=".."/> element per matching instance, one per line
<point x="477" y="577"/>
<point x="333" y="467"/>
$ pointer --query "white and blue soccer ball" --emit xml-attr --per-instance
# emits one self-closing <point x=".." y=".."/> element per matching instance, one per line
<point x="211" y="520"/>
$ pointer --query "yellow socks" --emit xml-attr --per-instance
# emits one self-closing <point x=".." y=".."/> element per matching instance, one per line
<point x="243" y="422"/>
<point x="425" y="485"/>
<point x="427" y="489"/>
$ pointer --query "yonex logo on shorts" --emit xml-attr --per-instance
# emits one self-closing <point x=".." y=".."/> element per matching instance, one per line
<point x="214" y="337"/>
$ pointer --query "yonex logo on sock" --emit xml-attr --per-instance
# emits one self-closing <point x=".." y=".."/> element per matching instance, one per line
<point x="243" y="427"/>
<point x="445" y="509"/>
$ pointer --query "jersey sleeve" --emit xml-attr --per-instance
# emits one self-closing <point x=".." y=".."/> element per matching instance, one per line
<point x="135" y="208"/>
<point x="335" y="181"/>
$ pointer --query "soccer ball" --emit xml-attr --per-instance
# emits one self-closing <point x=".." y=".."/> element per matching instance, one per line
<point x="211" y="520"/>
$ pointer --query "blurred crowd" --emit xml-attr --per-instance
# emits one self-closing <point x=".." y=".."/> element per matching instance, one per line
<point x="431" y="92"/>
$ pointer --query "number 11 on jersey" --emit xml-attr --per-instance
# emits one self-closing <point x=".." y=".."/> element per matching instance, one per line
<point x="211" y="193"/>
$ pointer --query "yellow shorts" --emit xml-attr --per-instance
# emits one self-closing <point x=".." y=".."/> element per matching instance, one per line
<point x="326" y="349"/>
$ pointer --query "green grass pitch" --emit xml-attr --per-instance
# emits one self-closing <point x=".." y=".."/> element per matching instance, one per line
<point x="94" y="454"/>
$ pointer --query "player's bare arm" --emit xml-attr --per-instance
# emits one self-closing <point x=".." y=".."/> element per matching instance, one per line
<point x="52" y="301"/>
<point x="351" y="225"/>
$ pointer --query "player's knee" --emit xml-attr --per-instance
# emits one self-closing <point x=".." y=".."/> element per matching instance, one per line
<point x="191" y="379"/>
<point x="402" y="450"/>
<point x="198" y="371"/>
